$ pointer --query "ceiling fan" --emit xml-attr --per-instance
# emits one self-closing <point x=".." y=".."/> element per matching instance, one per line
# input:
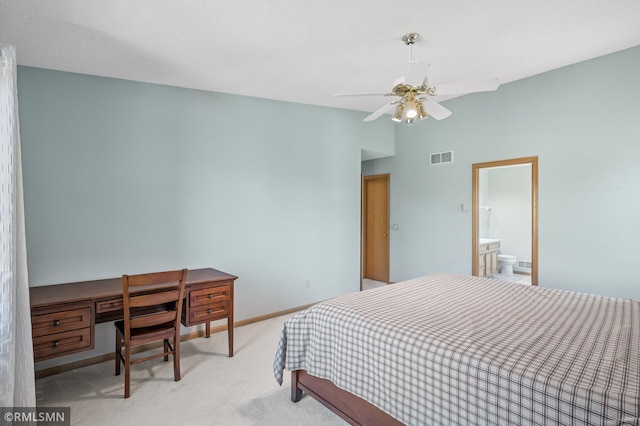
<point x="416" y="96"/>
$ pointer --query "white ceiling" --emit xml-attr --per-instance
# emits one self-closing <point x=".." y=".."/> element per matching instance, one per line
<point x="306" y="50"/>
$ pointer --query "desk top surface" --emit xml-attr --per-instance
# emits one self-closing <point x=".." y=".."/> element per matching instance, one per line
<point x="107" y="288"/>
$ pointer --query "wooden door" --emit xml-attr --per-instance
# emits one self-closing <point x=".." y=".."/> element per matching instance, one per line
<point x="376" y="227"/>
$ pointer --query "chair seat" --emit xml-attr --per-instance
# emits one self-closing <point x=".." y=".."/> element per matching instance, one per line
<point x="144" y="335"/>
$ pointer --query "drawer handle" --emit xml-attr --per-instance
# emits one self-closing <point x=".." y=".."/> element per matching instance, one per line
<point x="56" y="343"/>
<point x="56" y="323"/>
<point x="210" y="296"/>
<point x="111" y="305"/>
<point x="209" y="311"/>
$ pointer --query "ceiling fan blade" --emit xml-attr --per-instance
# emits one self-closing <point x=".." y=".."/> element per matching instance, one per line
<point x="361" y="94"/>
<point x="467" y="87"/>
<point x="381" y="111"/>
<point x="435" y="110"/>
<point x="416" y="73"/>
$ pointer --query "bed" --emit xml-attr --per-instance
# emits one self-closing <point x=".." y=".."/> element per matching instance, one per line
<point x="456" y="349"/>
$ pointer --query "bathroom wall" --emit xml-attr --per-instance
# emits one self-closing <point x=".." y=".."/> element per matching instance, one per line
<point x="509" y="195"/>
<point x="484" y="215"/>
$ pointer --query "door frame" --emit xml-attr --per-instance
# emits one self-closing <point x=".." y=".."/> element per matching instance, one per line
<point x="363" y="221"/>
<point x="475" y="200"/>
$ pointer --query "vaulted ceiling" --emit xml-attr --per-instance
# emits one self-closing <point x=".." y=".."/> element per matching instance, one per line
<point x="307" y="50"/>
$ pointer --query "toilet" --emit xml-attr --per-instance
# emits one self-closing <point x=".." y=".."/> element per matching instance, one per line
<point x="505" y="264"/>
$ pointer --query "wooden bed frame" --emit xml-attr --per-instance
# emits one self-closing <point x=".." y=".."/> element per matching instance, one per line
<point x="353" y="409"/>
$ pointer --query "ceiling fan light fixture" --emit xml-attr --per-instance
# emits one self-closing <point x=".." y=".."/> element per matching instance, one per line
<point x="422" y="112"/>
<point x="411" y="109"/>
<point x="398" y="115"/>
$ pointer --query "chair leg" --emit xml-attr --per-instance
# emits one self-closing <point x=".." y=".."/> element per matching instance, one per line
<point x="176" y="358"/>
<point x="166" y="350"/>
<point x="127" y="371"/>
<point x="118" y="353"/>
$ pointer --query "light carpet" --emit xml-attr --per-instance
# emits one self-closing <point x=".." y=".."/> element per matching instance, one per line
<point x="214" y="390"/>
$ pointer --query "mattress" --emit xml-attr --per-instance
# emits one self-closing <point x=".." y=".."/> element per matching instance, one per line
<point x="455" y="349"/>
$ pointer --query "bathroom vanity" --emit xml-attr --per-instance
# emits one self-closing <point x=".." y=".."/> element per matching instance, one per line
<point x="488" y="256"/>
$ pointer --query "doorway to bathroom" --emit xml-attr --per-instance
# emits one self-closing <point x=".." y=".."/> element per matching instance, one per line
<point x="504" y="215"/>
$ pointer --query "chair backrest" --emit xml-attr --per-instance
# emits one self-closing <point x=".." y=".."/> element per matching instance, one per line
<point x="152" y="299"/>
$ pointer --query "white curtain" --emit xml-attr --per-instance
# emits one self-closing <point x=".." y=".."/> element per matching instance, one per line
<point x="17" y="381"/>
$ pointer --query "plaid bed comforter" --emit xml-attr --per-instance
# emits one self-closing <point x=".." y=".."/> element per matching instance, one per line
<point x="459" y="350"/>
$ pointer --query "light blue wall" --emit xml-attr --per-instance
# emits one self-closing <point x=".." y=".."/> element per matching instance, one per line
<point x="582" y="123"/>
<point x="125" y="177"/>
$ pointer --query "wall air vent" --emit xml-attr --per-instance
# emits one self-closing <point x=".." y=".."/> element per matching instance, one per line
<point x="441" y="158"/>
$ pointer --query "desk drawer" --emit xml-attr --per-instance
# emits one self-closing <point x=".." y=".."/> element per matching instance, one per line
<point x="61" y="321"/>
<point x="109" y="305"/>
<point x="53" y="345"/>
<point x="208" y="296"/>
<point x="208" y="313"/>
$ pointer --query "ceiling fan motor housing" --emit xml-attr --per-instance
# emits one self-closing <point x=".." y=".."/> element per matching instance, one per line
<point x="410" y="38"/>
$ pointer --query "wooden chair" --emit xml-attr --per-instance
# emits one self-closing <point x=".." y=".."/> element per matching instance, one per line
<point x="152" y="311"/>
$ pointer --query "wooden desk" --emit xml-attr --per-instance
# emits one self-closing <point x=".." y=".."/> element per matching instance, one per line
<point x="63" y="316"/>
